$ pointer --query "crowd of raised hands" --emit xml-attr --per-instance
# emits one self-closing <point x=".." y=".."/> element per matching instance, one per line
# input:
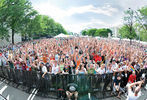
<point x="75" y="56"/>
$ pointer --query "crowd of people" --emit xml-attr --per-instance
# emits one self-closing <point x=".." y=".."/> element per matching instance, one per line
<point x="77" y="56"/>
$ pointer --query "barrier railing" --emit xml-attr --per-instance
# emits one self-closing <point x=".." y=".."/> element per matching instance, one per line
<point x="101" y="85"/>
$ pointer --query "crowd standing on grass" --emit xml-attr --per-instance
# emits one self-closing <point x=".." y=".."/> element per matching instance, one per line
<point x="78" y="56"/>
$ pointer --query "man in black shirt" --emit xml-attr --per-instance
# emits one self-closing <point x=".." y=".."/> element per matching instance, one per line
<point x="72" y="89"/>
<point x="116" y="85"/>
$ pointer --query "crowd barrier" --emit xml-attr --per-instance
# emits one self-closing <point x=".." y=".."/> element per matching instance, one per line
<point x="100" y="85"/>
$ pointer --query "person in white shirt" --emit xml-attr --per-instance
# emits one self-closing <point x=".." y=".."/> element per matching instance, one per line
<point x="43" y="69"/>
<point x="56" y="57"/>
<point x="109" y="68"/>
<point x="137" y="93"/>
<point x="55" y="68"/>
<point x="101" y="70"/>
<point x="114" y="65"/>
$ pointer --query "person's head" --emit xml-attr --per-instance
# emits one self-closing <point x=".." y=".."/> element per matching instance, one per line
<point x="118" y="77"/>
<point x="61" y="62"/>
<point x="133" y="73"/>
<point x="113" y="61"/>
<point x="41" y="64"/>
<point x="91" y="65"/>
<point x="102" y="66"/>
<point x="109" y="66"/>
<point x="80" y="67"/>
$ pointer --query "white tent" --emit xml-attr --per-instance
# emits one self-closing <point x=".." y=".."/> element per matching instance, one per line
<point x="62" y="36"/>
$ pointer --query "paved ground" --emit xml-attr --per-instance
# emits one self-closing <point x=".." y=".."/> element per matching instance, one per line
<point x="11" y="93"/>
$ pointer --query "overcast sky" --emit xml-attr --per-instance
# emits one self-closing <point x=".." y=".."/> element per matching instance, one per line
<point x="76" y="15"/>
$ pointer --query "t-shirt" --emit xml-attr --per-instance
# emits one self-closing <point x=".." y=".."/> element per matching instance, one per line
<point x="101" y="71"/>
<point x="97" y="58"/>
<point x="44" y="69"/>
<point x="109" y="71"/>
<point x="114" y="66"/>
<point x="11" y="64"/>
<point x="44" y="59"/>
<point x="91" y="71"/>
<point x="55" y="70"/>
<point x="132" y="78"/>
<point x="131" y="95"/>
<point x="61" y="67"/>
<point x="124" y="67"/>
<point x="116" y="81"/>
<point x="56" y="57"/>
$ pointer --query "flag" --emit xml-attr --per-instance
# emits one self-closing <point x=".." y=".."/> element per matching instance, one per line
<point x="132" y="68"/>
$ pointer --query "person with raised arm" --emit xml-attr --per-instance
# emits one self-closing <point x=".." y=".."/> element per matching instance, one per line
<point x="137" y="93"/>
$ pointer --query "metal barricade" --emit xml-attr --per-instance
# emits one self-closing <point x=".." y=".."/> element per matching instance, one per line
<point x="99" y="85"/>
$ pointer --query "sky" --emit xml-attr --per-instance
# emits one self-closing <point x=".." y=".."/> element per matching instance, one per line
<point x="76" y="15"/>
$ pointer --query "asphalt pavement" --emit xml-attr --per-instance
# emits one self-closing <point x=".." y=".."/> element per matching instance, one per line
<point x="10" y="92"/>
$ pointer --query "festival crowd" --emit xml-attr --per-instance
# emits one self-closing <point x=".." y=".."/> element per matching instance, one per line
<point x="77" y="56"/>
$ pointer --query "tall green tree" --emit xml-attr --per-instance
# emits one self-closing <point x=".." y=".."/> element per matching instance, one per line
<point x="3" y="26"/>
<point x="124" y="32"/>
<point x="141" y="23"/>
<point x="29" y="28"/>
<point x="12" y="14"/>
<point x="43" y="26"/>
<point x="129" y="22"/>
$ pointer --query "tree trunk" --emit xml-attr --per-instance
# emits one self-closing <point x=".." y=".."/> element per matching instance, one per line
<point x="13" y="36"/>
<point x="130" y="41"/>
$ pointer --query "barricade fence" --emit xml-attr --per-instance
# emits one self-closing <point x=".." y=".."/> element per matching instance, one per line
<point x="100" y="85"/>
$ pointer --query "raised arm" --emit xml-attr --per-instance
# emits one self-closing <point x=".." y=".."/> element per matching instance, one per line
<point x="132" y="84"/>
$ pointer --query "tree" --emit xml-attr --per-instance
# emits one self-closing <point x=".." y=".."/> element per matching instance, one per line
<point x="3" y="27"/>
<point x="124" y="32"/>
<point x="91" y="32"/>
<point x="128" y="28"/>
<point x="143" y="16"/>
<point x="44" y="26"/>
<point x="141" y="25"/>
<point x="13" y="13"/>
<point x="103" y="32"/>
<point x="84" y="32"/>
<point x="28" y="25"/>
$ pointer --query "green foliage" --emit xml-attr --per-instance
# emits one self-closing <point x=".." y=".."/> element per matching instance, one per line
<point x="12" y="14"/>
<point x="128" y="31"/>
<point x="103" y="32"/>
<point x="143" y="11"/>
<point x="142" y="28"/>
<point x="45" y="26"/>
<point x="135" y="22"/>
<point x="91" y="32"/>
<point x="17" y="16"/>
<point x="84" y="32"/>
<point x="124" y="32"/>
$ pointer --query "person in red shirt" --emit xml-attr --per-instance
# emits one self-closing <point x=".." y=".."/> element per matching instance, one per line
<point x="132" y="77"/>
<point x="97" y="58"/>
